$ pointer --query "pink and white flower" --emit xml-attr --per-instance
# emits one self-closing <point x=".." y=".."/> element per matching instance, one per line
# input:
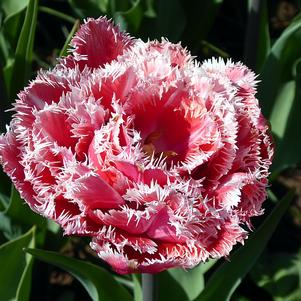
<point x="159" y="159"/>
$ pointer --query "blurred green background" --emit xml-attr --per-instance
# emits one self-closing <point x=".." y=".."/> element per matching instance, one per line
<point x="265" y="35"/>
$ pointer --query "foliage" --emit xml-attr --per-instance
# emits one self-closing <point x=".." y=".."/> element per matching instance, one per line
<point x="33" y="33"/>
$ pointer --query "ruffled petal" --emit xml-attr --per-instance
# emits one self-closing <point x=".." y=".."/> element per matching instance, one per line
<point x="98" y="42"/>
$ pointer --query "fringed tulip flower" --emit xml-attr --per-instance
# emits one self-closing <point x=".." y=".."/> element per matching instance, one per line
<point x="159" y="159"/>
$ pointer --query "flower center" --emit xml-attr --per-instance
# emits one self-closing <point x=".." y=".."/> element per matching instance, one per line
<point x="165" y="134"/>
<point x="149" y="147"/>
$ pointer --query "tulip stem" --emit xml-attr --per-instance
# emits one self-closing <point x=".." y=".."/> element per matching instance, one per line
<point x="252" y="34"/>
<point x="149" y="287"/>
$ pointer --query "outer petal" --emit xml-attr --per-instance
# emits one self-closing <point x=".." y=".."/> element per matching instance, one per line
<point x="91" y="192"/>
<point x="10" y="158"/>
<point x="98" y="42"/>
<point x="162" y="230"/>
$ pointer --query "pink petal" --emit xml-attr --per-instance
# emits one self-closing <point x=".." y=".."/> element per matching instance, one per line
<point x="126" y="219"/>
<point x="132" y="172"/>
<point x="10" y="158"/>
<point x="92" y="192"/>
<point x="227" y="236"/>
<point x="106" y="86"/>
<point x="119" y="262"/>
<point x="252" y="196"/>
<point x="98" y="42"/>
<point x="162" y="230"/>
<point x="178" y="55"/>
<point x="55" y="126"/>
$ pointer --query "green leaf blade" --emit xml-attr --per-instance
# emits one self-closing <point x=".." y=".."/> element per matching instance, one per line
<point x="285" y="121"/>
<point x="64" y="49"/>
<point x="264" y="43"/>
<point x="225" y="280"/>
<point x="24" y="51"/>
<point x="279" y="93"/>
<point x="15" y="273"/>
<point x="277" y="67"/>
<point x="20" y="211"/>
<point x="11" y="7"/>
<point x="191" y="281"/>
<point x="99" y="283"/>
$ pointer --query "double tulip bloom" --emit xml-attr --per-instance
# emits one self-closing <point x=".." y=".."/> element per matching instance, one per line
<point x="159" y="159"/>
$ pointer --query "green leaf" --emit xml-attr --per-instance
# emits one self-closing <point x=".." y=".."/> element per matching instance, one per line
<point x="16" y="266"/>
<point x="277" y="67"/>
<point x="131" y="18"/>
<point x="206" y="266"/>
<point x="17" y="217"/>
<point x="280" y="275"/>
<point x="257" y="40"/>
<point x="11" y="7"/>
<point x="149" y="9"/>
<point x="12" y="28"/>
<point x="169" y="288"/>
<point x="206" y="46"/>
<point x="285" y="121"/>
<point x="7" y="72"/>
<point x="24" y="287"/>
<point x="4" y="201"/>
<point x="23" y="56"/>
<point x="99" y="283"/>
<point x="226" y="279"/>
<point x="264" y="42"/>
<point x="201" y="17"/>
<point x="57" y="14"/>
<point x="191" y="281"/>
<point x="170" y="21"/>
<point x="88" y="8"/>
<point x="64" y="49"/>
<point x="19" y="211"/>
<point x="279" y="93"/>
<point x="4" y="49"/>
<point x="240" y="298"/>
<point x="8" y="228"/>
<point x="9" y="33"/>
<point x="52" y="226"/>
